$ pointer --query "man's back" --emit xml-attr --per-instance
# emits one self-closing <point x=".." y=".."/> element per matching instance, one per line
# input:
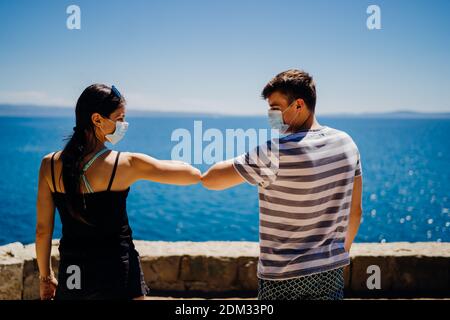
<point x="305" y="194"/>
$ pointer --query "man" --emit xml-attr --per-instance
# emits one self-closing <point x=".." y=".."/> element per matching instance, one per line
<point x="309" y="183"/>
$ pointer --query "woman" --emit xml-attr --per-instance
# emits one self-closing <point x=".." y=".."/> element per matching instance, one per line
<point x="89" y="184"/>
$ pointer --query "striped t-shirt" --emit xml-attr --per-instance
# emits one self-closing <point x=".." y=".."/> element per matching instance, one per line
<point x="305" y="183"/>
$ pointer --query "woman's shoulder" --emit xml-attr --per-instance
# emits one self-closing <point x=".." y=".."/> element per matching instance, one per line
<point x="124" y="159"/>
<point x="45" y="169"/>
<point x="125" y="156"/>
<point x="134" y="156"/>
<point x="48" y="157"/>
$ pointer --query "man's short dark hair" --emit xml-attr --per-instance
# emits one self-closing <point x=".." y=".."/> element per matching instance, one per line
<point x="295" y="84"/>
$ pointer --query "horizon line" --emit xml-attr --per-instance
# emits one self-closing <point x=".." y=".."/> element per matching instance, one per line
<point x="140" y="110"/>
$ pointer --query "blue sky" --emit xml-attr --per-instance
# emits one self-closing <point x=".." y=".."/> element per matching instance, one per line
<point x="216" y="56"/>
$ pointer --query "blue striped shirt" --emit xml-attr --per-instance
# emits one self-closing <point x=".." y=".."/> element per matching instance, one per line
<point x="305" y="183"/>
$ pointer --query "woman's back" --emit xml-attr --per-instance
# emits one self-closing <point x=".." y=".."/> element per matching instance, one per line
<point x="96" y="236"/>
<point x="105" y="228"/>
<point x="99" y="173"/>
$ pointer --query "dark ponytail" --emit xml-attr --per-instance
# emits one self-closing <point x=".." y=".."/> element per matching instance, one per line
<point x="97" y="98"/>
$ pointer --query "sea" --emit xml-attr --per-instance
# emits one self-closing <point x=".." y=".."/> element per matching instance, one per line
<point x="405" y="162"/>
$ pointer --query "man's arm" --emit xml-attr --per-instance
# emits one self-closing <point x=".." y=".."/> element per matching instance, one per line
<point x="355" y="213"/>
<point x="221" y="176"/>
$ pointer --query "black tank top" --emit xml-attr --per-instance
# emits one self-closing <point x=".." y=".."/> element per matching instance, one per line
<point x="108" y="233"/>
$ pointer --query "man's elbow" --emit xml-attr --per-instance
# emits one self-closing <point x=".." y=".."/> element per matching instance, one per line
<point x="357" y="211"/>
<point x="211" y="182"/>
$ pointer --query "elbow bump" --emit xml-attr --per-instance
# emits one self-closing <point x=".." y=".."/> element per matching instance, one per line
<point x="192" y="177"/>
<point x="196" y="174"/>
<point x="209" y="182"/>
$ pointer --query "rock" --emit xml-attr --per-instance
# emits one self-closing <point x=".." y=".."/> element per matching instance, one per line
<point x="31" y="270"/>
<point x="194" y="268"/>
<point x="420" y="274"/>
<point x="167" y="269"/>
<point x="347" y="274"/>
<point x="11" y="272"/>
<point x="222" y="273"/>
<point x="247" y="268"/>
<point x="196" y="286"/>
<point x="167" y="286"/>
<point x="150" y="274"/>
<point x="407" y="269"/>
<point x="161" y="273"/>
<point x="359" y="275"/>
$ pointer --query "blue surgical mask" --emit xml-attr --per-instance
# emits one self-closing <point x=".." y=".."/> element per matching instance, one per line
<point x="276" y="120"/>
<point x="119" y="133"/>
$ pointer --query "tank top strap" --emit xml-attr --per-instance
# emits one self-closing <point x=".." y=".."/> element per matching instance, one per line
<point x="87" y="165"/>
<point x="53" y="173"/>
<point x="114" y="171"/>
<point x="99" y="153"/>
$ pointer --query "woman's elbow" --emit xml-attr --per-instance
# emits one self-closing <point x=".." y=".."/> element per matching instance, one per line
<point x="43" y="232"/>
<point x="195" y="176"/>
<point x="191" y="176"/>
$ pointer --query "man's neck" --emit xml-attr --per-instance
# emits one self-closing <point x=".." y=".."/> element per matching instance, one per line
<point x="310" y="124"/>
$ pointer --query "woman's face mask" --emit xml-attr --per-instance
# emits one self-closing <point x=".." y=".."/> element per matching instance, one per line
<point x="119" y="132"/>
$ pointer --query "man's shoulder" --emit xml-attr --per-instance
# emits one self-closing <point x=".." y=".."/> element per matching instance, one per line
<point x="338" y="132"/>
<point x="344" y="137"/>
<point x="332" y="130"/>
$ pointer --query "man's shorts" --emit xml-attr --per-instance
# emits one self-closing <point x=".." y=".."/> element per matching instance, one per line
<point x="327" y="285"/>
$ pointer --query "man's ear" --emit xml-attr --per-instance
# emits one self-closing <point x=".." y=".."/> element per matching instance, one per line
<point x="300" y="103"/>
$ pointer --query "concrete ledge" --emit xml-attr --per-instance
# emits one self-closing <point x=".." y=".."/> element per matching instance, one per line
<point x="407" y="269"/>
<point x="229" y="268"/>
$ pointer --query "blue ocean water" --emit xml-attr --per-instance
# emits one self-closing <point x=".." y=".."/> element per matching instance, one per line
<point x="405" y="163"/>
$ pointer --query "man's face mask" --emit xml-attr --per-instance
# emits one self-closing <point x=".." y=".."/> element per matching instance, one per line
<point x="119" y="133"/>
<point x="276" y="120"/>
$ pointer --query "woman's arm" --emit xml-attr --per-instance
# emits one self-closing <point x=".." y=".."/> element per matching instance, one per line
<point x="164" y="171"/>
<point x="45" y="209"/>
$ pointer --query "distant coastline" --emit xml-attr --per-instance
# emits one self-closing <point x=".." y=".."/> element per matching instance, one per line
<point x="9" y="110"/>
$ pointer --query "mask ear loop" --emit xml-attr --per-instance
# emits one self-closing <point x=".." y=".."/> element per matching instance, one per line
<point x="105" y="134"/>
<point x="296" y="118"/>
<point x="289" y="127"/>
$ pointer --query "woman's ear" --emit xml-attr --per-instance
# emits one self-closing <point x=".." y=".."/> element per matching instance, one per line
<point x="96" y="119"/>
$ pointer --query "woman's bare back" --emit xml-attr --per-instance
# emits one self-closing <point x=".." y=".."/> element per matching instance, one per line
<point x="98" y="174"/>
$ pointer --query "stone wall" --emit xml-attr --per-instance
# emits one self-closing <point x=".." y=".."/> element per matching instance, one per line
<point x="220" y="269"/>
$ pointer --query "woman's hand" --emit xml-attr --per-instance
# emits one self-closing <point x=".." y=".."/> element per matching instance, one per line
<point x="47" y="288"/>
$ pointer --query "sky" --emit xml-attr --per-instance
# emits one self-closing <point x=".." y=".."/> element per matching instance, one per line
<point x="216" y="56"/>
